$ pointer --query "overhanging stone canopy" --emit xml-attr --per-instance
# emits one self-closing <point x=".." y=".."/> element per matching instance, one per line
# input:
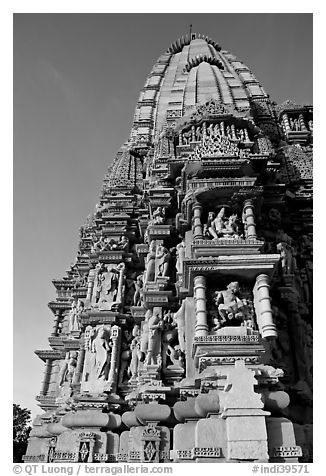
<point x="183" y="331"/>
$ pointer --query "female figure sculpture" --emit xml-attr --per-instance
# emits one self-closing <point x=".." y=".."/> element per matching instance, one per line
<point x="102" y="350"/>
<point x="150" y="262"/>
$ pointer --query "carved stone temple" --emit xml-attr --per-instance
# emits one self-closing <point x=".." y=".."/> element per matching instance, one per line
<point x="183" y="331"/>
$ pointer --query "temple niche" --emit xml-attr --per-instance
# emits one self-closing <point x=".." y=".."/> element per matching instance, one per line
<point x="183" y="330"/>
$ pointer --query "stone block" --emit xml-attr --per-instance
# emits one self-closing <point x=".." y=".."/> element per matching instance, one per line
<point x="211" y="433"/>
<point x="184" y="438"/>
<point x="37" y="447"/>
<point x="243" y="428"/>
<point x="247" y="450"/>
<point x="282" y="444"/>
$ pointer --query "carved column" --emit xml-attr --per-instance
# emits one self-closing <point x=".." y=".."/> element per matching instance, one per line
<point x="193" y="134"/>
<point x="302" y="123"/>
<point x="56" y="323"/>
<point x="47" y="374"/>
<point x="286" y="122"/>
<point x="113" y="373"/>
<point x="249" y="216"/>
<point x="204" y="130"/>
<point x="197" y="226"/>
<point x="246" y="135"/>
<point x="263" y="308"/>
<point x="201" y="328"/>
<point x="234" y="136"/>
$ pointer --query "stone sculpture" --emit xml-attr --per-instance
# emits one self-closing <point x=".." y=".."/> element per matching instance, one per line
<point x="231" y="308"/>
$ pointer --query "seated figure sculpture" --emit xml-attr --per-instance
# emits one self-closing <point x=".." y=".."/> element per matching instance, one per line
<point x="231" y="309"/>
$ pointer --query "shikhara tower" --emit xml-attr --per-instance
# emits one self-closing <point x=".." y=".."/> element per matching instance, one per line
<point x="183" y="330"/>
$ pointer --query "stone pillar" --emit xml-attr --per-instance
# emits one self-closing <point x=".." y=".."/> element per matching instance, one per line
<point x="79" y="368"/>
<point x="286" y="122"/>
<point x="201" y="328"/>
<point x="246" y="135"/>
<point x="193" y="134"/>
<point x="263" y="308"/>
<point x="204" y="130"/>
<point x="222" y="128"/>
<point x="180" y="138"/>
<point x="47" y="374"/>
<point x="56" y="323"/>
<point x="197" y="226"/>
<point x="248" y="212"/>
<point x="113" y="373"/>
<point x="302" y="123"/>
<point x="234" y="136"/>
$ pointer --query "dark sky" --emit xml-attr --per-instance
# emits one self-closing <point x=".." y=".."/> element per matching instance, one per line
<point x="77" y="79"/>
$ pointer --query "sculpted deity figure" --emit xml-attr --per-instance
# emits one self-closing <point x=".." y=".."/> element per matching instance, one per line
<point x="155" y="324"/>
<point x="288" y="261"/>
<point x="138" y="289"/>
<point x="124" y="357"/>
<point x="123" y="244"/>
<point x="145" y="335"/>
<point x="199" y="134"/>
<point x="100" y="278"/>
<point x="163" y="258"/>
<point x="135" y="353"/>
<point x="179" y="319"/>
<point x="231" y="227"/>
<point x="186" y="136"/>
<point x="102" y="349"/>
<point x="68" y="368"/>
<point x="180" y="252"/>
<point x="98" y="245"/>
<point x="150" y="262"/>
<point x="111" y="292"/>
<point x="74" y="316"/>
<point x="230" y="306"/>
<point x="158" y="216"/>
<point x="218" y="226"/>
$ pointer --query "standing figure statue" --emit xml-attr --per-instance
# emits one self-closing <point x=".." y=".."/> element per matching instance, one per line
<point x="145" y="335"/>
<point x="180" y="253"/>
<point x="230" y="306"/>
<point x="179" y="318"/>
<point x="163" y="258"/>
<point x="100" y="278"/>
<point x="138" y="290"/>
<point x="124" y="357"/>
<point x="150" y="262"/>
<point x="135" y="353"/>
<point x="113" y="284"/>
<point x="288" y="261"/>
<point x="73" y="324"/>
<point x="155" y="325"/>
<point x="68" y="368"/>
<point x="102" y="350"/>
